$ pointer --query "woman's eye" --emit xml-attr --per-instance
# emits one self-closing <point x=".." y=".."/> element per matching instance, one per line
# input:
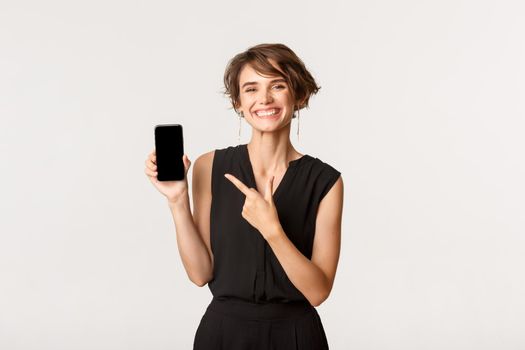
<point x="277" y="86"/>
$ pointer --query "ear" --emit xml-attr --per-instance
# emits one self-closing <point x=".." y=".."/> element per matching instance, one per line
<point x="301" y="103"/>
<point x="237" y="106"/>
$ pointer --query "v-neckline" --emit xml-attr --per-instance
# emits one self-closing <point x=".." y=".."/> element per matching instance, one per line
<point x="291" y="165"/>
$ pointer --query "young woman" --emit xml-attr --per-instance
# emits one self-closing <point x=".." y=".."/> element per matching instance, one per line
<point x="266" y="225"/>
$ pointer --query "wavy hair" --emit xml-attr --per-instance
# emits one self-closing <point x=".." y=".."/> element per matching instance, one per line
<point x="291" y="68"/>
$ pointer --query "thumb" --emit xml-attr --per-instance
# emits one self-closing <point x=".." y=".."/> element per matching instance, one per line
<point x="187" y="162"/>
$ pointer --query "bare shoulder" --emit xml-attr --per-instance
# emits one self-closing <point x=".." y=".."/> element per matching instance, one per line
<point x="202" y="172"/>
<point x="204" y="161"/>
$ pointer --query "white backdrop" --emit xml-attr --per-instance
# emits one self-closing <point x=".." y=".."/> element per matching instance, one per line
<point x="421" y="109"/>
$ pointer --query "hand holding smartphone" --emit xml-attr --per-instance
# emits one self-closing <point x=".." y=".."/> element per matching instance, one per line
<point x="167" y="165"/>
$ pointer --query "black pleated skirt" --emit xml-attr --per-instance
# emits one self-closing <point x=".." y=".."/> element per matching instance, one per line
<point x="241" y="325"/>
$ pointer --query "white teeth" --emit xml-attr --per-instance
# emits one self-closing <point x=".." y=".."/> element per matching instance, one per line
<point x="267" y="113"/>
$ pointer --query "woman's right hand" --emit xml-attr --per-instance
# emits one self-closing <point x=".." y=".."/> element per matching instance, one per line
<point x="173" y="190"/>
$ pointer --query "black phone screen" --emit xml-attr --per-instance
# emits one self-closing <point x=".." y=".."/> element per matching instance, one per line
<point x="169" y="149"/>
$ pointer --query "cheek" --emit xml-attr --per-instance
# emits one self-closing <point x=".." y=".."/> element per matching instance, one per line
<point x="246" y="99"/>
<point x="285" y="98"/>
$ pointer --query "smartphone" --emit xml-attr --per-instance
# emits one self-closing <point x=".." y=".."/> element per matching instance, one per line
<point x="169" y="149"/>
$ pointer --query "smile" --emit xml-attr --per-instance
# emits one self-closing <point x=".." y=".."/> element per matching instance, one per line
<point x="269" y="113"/>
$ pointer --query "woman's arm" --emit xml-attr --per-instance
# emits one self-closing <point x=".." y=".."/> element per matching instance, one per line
<point x="193" y="232"/>
<point x="314" y="278"/>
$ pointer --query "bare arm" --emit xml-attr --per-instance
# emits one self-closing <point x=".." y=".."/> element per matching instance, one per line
<point x="315" y="277"/>
<point x="193" y="232"/>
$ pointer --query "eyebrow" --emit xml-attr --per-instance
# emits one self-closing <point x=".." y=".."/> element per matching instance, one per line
<point x="280" y="80"/>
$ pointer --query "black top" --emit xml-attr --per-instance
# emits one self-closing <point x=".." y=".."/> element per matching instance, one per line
<point x="245" y="266"/>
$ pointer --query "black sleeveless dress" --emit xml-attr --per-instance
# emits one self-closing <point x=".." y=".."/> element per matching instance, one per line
<point x="255" y="305"/>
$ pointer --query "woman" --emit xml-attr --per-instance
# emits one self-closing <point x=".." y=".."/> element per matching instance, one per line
<point x="266" y="224"/>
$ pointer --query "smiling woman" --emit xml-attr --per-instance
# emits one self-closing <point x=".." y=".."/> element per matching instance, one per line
<point x="266" y="223"/>
<point x="275" y="60"/>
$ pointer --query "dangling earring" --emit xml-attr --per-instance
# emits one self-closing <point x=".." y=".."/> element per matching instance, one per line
<point x="241" y="115"/>
<point x="297" y="123"/>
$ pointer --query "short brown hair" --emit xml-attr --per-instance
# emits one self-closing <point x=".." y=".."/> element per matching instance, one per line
<point x="302" y="84"/>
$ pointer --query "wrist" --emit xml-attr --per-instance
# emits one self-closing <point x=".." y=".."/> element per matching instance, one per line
<point x="181" y="202"/>
<point x="274" y="232"/>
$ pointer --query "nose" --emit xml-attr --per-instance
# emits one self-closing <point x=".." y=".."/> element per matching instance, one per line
<point x="266" y="97"/>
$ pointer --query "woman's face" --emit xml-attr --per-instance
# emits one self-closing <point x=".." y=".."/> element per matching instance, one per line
<point x="261" y="96"/>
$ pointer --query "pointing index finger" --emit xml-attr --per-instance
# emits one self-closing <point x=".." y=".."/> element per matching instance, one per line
<point x="242" y="187"/>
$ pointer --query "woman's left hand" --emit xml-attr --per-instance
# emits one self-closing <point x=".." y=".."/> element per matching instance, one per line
<point x="259" y="210"/>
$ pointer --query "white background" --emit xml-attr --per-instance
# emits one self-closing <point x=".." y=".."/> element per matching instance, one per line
<point x="421" y="109"/>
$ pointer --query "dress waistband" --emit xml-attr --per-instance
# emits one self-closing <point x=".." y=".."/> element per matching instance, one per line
<point x="263" y="311"/>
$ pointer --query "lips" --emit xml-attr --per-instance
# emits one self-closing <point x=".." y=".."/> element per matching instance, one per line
<point x="267" y="109"/>
<point x="276" y="111"/>
<point x="270" y="117"/>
